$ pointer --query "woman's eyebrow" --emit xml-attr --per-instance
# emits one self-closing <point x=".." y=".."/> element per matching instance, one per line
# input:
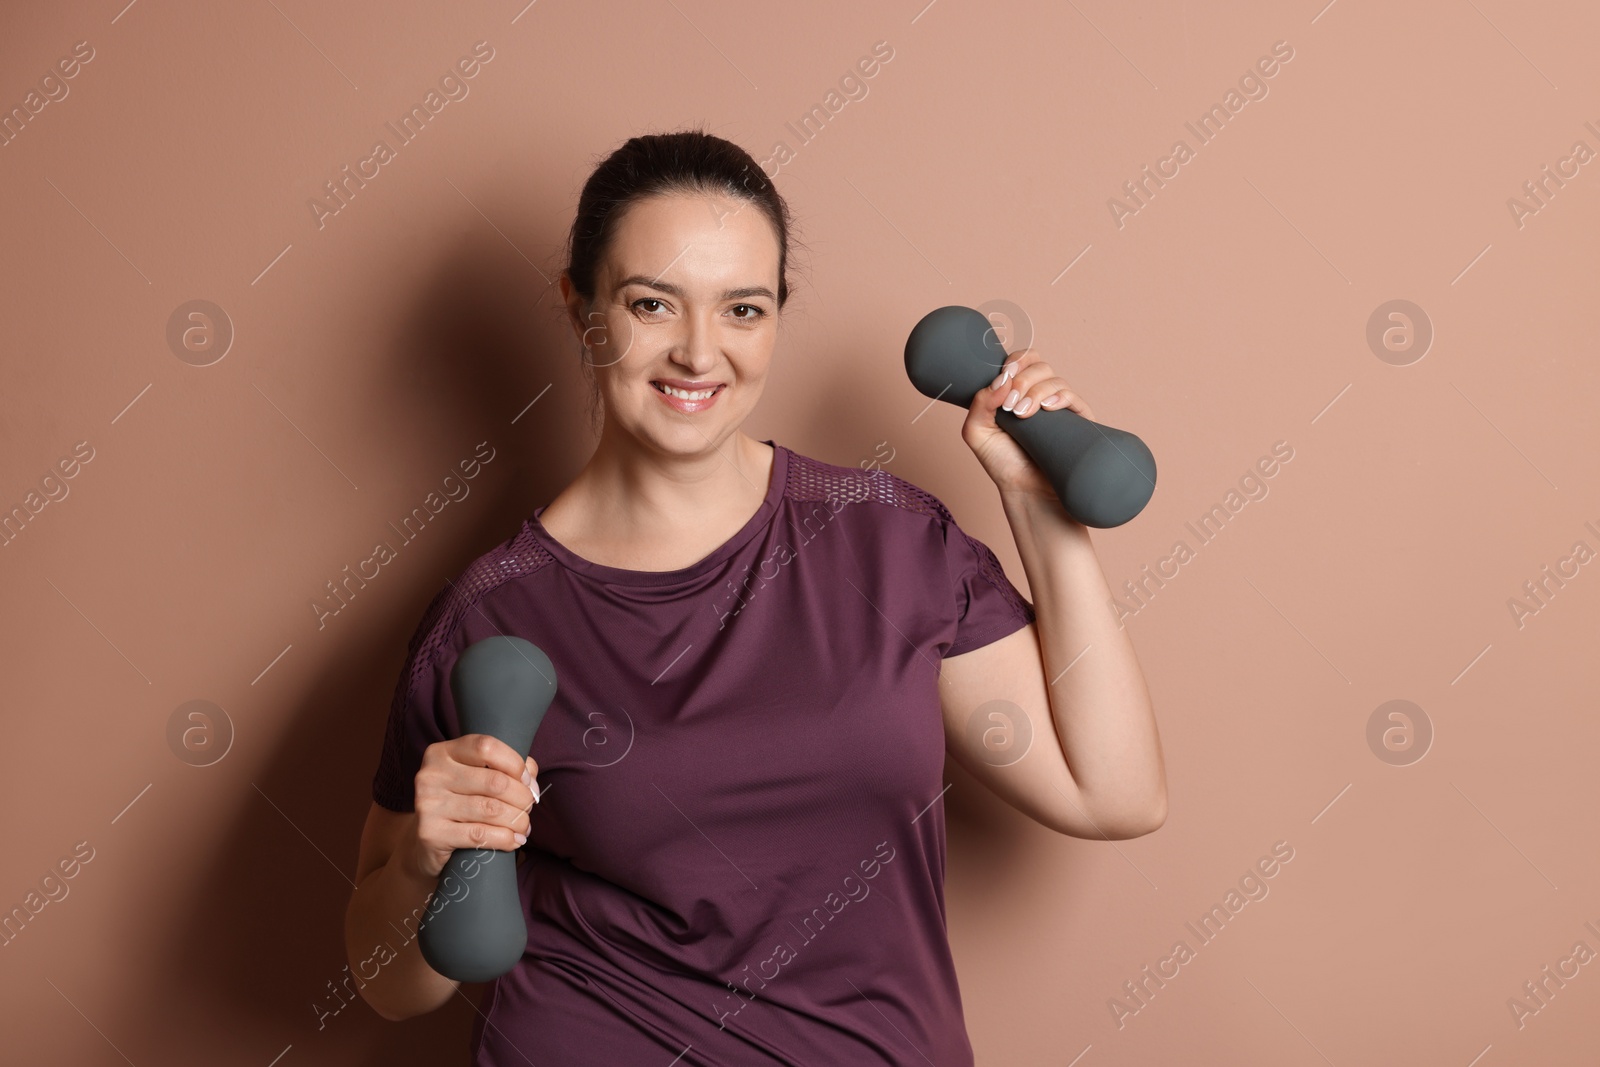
<point x="668" y="287"/>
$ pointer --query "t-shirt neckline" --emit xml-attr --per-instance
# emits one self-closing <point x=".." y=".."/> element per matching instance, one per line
<point x="763" y="515"/>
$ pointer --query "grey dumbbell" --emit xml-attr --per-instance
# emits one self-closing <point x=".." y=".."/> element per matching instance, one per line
<point x="1102" y="475"/>
<point x="474" y="929"/>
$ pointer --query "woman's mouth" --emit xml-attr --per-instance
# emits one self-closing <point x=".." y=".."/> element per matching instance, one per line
<point x="688" y="400"/>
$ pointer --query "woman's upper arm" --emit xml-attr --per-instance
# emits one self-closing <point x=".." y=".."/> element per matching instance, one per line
<point x="999" y="725"/>
<point x="1012" y="747"/>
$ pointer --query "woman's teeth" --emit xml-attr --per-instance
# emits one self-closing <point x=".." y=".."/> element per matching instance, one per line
<point x="684" y="394"/>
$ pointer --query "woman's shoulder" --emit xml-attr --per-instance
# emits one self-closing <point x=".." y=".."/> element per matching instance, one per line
<point x="870" y="482"/>
<point x="517" y="557"/>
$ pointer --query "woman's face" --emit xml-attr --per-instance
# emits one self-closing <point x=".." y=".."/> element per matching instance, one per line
<point x="686" y="297"/>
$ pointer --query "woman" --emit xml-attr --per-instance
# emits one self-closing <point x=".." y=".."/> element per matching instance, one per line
<point x="762" y="661"/>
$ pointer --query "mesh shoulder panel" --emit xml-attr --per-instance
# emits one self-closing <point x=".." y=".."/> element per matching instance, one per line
<point x="522" y="555"/>
<point x="813" y="479"/>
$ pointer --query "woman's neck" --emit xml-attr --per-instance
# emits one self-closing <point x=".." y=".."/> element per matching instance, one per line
<point x="639" y="509"/>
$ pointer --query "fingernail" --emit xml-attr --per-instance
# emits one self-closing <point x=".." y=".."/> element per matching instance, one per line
<point x="520" y="839"/>
<point x="999" y="380"/>
<point x="527" y="778"/>
<point x="535" y="787"/>
<point x="1053" y="398"/>
<point x="1011" y="399"/>
<point x="1022" y="408"/>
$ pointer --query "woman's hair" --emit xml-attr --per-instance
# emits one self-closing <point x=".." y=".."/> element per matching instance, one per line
<point x="687" y="161"/>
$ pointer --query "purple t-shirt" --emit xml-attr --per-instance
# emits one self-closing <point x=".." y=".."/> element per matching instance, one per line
<point x="739" y="855"/>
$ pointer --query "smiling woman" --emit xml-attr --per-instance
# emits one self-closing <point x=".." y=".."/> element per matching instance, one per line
<point x="665" y="889"/>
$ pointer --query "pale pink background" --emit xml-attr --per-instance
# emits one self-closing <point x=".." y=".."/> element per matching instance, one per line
<point x="1228" y="314"/>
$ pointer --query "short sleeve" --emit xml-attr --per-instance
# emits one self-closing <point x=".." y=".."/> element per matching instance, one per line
<point x="422" y="711"/>
<point x="988" y="606"/>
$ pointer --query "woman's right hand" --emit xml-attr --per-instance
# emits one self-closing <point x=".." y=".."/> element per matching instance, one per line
<point x="472" y="791"/>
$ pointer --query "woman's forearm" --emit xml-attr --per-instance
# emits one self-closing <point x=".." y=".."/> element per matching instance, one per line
<point x="381" y="940"/>
<point x="1101" y="706"/>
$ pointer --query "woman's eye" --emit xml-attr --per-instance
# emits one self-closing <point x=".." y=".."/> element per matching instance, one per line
<point x="751" y="311"/>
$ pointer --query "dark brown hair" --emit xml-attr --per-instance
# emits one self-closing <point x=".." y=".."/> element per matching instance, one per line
<point x="686" y="161"/>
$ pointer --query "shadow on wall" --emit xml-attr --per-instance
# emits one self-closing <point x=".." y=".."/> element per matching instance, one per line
<point x="258" y="940"/>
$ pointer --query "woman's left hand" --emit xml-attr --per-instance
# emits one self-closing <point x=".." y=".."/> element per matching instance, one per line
<point x="1031" y="386"/>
